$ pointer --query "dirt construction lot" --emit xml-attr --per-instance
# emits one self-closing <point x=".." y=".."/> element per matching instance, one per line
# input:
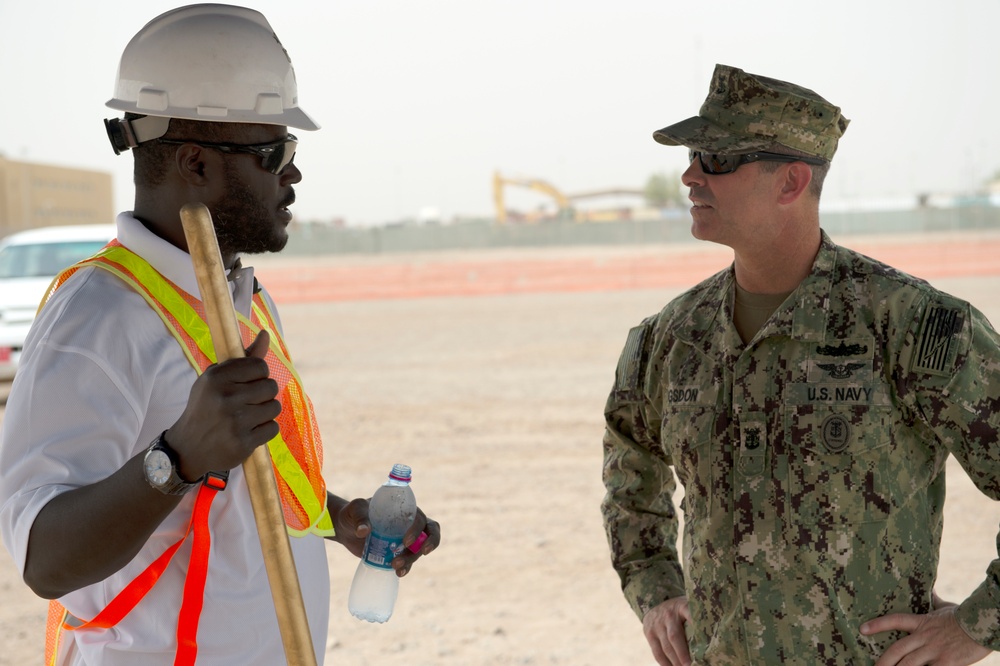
<point x="494" y="396"/>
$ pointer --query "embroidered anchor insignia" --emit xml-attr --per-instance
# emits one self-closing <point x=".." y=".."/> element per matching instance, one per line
<point x="843" y="349"/>
<point x="840" y="370"/>
<point x="836" y="433"/>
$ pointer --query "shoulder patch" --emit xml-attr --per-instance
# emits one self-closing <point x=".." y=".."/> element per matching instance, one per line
<point x="627" y="374"/>
<point x="937" y="342"/>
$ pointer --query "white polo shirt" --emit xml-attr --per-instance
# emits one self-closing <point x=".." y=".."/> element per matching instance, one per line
<point x="101" y="378"/>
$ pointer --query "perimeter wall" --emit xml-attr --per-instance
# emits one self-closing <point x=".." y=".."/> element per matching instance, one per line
<point x="672" y="227"/>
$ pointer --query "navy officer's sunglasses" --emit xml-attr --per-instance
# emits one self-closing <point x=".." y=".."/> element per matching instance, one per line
<point x="721" y="163"/>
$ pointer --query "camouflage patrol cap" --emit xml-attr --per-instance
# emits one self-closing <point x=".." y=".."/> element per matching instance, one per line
<point x="745" y="112"/>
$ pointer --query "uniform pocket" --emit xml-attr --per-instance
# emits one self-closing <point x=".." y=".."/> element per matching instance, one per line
<point x="836" y="463"/>
<point x="838" y="502"/>
<point x="686" y="433"/>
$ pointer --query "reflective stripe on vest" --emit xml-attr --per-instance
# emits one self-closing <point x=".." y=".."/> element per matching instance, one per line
<point x="296" y="452"/>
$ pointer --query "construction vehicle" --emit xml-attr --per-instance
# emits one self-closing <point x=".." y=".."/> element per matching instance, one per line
<point x="564" y="211"/>
<point x="564" y="203"/>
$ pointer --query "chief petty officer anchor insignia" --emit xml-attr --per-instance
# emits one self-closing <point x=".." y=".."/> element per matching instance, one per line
<point x="836" y="433"/>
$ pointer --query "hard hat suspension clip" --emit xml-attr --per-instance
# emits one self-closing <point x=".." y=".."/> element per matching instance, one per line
<point x="128" y="133"/>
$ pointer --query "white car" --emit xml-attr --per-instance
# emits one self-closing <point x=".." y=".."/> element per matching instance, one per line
<point x="29" y="260"/>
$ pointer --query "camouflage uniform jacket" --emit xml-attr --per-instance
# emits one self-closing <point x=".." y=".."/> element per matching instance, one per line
<point x="812" y="461"/>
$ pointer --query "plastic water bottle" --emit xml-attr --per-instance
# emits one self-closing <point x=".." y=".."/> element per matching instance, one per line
<point x="391" y="512"/>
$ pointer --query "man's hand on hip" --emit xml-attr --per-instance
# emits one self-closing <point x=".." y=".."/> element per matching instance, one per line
<point x="935" y="638"/>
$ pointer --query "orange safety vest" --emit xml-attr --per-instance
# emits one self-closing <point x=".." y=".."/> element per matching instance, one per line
<point x="296" y="452"/>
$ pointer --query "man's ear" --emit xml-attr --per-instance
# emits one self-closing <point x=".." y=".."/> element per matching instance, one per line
<point x="190" y="162"/>
<point x="798" y="175"/>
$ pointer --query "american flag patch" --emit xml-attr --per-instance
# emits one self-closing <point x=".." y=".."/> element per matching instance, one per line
<point x="937" y="344"/>
<point x="627" y="375"/>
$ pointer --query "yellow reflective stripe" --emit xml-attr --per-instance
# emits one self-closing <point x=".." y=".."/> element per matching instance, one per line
<point x="288" y="467"/>
<point x="158" y="292"/>
<point x="57" y="641"/>
<point x="294" y="477"/>
<point x="283" y="459"/>
<point x="322" y="527"/>
<point x="155" y="307"/>
<point x="65" y="622"/>
<point x="186" y="316"/>
<point x="274" y="346"/>
<point x="166" y="295"/>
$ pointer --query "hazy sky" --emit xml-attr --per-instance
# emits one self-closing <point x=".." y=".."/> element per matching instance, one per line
<point x="421" y="100"/>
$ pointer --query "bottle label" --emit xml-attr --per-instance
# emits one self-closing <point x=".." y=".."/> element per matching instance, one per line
<point x="380" y="550"/>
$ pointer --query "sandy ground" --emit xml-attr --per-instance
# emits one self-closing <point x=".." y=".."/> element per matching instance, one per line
<point x="496" y="402"/>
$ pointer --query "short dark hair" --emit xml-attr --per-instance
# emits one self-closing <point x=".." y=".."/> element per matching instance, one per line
<point x="819" y="171"/>
<point x="152" y="158"/>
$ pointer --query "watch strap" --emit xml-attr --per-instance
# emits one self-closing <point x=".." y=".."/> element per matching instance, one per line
<point x="175" y="485"/>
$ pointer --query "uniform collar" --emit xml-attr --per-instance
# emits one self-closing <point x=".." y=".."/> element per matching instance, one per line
<point x="803" y="316"/>
<point x="175" y="264"/>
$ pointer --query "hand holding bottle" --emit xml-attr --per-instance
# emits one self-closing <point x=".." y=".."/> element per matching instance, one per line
<point x="350" y="520"/>
<point x="398" y="535"/>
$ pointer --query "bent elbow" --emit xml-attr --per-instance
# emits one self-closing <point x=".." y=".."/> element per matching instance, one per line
<point x="42" y="586"/>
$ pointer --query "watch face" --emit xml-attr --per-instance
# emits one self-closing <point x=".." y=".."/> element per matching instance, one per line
<point x="158" y="467"/>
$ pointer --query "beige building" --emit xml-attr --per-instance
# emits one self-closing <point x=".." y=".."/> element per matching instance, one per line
<point x="39" y="195"/>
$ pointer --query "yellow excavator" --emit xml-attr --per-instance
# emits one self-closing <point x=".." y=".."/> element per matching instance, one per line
<point x="564" y="202"/>
<point x="565" y="211"/>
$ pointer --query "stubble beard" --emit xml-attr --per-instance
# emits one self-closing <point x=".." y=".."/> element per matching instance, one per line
<point x="243" y="225"/>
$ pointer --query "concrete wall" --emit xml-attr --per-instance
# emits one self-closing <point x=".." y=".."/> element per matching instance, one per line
<point x="673" y="227"/>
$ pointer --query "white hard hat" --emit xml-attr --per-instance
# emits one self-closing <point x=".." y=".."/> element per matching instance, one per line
<point x="209" y="62"/>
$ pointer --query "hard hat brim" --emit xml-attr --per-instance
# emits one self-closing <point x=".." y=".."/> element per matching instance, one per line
<point x="292" y="117"/>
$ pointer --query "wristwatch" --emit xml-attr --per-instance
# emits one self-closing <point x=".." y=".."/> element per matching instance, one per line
<point x="160" y="468"/>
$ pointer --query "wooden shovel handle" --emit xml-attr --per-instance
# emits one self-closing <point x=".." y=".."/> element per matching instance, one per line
<point x="278" y="561"/>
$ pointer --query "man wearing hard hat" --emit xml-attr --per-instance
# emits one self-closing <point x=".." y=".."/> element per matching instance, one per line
<point x="121" y="491"/>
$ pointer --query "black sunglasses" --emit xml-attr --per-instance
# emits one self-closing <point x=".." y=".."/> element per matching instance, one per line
<point x="274" y="157"/>
<point x="721" y="163"/>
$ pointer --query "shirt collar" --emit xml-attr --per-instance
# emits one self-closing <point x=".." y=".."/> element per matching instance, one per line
<point x="803" y="315"/>
<point x="175" y="264"/>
